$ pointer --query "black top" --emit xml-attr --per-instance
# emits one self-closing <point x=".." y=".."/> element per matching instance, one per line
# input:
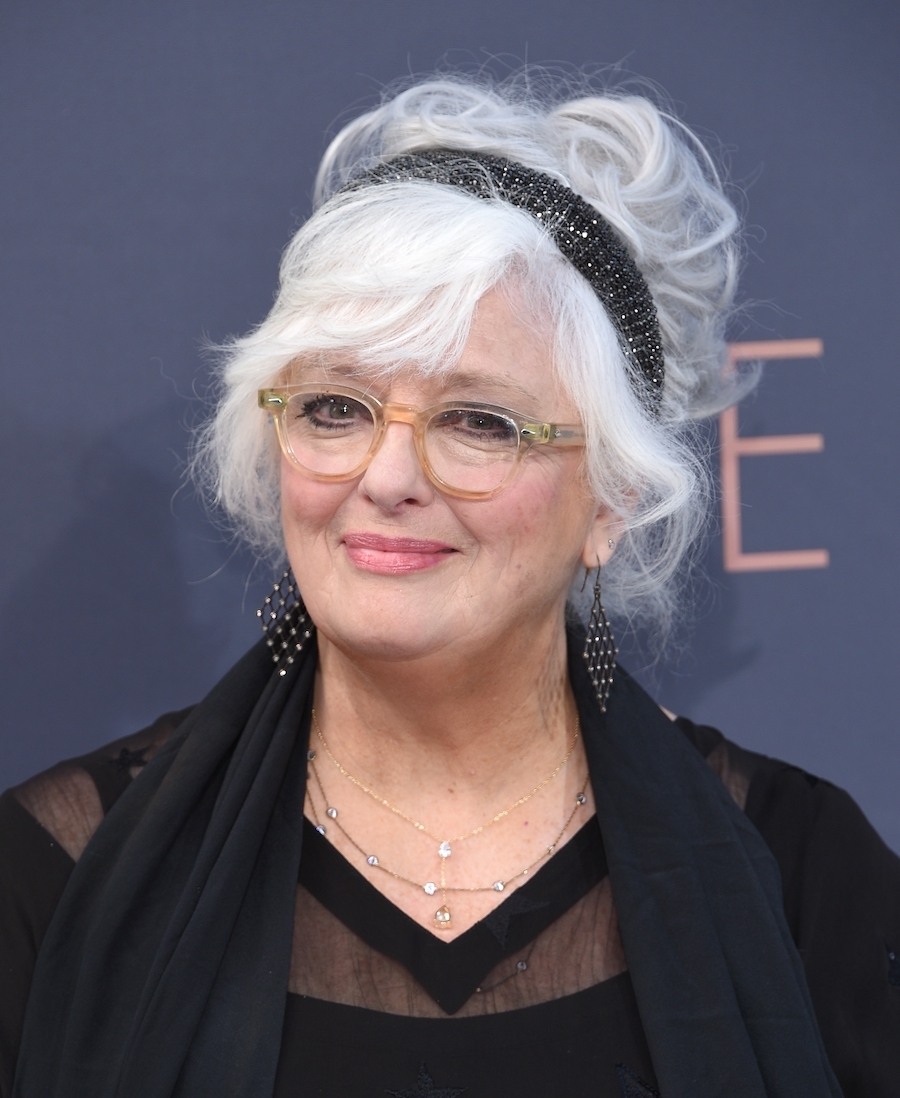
<point x="842" y="900"/>
<point x="451" y="972"/>
<point x="590" y="1043"/>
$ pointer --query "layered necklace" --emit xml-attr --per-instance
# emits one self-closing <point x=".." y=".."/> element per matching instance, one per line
<point x="442" y="917"/>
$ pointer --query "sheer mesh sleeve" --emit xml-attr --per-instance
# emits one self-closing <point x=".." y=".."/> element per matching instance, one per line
<point x="842" y="900"/>
<point x="71" y="799"/>
<point x="34" y="869"/>
<point x="45" y="824"/>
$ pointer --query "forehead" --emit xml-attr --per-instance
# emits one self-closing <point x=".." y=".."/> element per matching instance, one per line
<point x="506" y="359"/>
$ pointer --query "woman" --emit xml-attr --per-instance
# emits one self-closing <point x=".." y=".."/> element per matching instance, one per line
<point x="427" y="838"/>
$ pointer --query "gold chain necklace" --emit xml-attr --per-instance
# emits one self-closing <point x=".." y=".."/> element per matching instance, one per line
<point x="445" y="848"/>
<point x="442" y="917"/>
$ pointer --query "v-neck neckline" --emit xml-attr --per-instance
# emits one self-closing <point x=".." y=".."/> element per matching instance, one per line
<point x="451" y="972"/>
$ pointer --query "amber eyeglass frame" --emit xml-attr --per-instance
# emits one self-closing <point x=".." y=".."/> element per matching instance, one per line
<point x="529" y="432"/>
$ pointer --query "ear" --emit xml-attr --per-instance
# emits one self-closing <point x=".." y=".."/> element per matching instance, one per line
<point x="606" y="528"/>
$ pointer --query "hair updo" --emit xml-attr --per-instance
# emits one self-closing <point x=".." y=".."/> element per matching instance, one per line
<point x="390" y="275"/>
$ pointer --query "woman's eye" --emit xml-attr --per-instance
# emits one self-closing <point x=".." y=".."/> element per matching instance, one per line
<point x="328" y="411"/>
<point x="483" y="425"/>
<point x="473" y="428"/>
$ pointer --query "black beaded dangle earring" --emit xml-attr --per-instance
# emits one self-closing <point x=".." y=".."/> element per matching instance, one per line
<point x="285" y="622"/>
<point x="600" y="647"/>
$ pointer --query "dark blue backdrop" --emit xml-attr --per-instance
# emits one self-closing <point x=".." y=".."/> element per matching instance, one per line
<point x="157" y="154"/>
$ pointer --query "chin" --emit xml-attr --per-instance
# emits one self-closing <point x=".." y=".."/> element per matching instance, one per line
<point x="391" y="641"/>
<point x="389" y="629"/>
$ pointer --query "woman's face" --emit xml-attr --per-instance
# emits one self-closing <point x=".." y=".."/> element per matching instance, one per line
<point x="392" y="568"/>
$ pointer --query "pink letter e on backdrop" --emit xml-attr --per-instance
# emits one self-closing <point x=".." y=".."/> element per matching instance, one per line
<point x="732" y="447"/>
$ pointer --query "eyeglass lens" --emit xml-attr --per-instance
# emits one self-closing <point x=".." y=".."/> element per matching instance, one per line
<point x="330" y="434"/>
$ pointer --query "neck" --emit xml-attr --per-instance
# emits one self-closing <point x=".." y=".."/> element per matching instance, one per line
<point x="479" y="718"/>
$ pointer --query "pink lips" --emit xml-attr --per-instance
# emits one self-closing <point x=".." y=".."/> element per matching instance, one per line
<point x="394" y="556"/>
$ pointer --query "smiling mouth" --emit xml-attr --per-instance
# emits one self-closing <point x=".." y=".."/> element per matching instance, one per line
<point x="394" y="556"/>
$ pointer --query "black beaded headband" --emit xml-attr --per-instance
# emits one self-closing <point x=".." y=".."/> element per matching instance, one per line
<point x="580" y="232"/>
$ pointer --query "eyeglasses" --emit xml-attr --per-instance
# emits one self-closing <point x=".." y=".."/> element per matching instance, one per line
<point x="471" y="451"/>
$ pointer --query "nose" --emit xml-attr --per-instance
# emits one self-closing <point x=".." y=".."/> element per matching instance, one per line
<point x="395" y="475"/>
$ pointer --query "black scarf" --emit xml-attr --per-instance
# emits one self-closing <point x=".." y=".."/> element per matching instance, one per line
<point x="164" y="971"/>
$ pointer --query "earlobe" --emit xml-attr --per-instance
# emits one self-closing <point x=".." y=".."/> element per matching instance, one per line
<point x="600" y="544"/>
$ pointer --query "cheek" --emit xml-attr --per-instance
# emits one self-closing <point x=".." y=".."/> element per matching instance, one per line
<point x="538" y="527"/>
<point x="308" y="506"/>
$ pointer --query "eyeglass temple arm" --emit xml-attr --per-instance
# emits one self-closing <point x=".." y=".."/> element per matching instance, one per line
<point x="271" y="400"/>
<point x="560" y="434"/>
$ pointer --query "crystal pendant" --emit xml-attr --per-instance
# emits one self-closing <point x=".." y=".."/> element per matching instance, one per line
<point x="444" y="850"/>
<point x="331" y="812"/>
<point x="442" y="918"/>
<point x="430" y="888"/>
<point x="372" y="860"/>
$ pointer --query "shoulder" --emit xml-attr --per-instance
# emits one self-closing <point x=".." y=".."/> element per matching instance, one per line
<point x="814" y="828"/>
<point x="799" y="815"/>
<point x="71" y="798"/>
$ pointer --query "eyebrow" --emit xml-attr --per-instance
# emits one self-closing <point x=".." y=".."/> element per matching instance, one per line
<point x="342" y="369"/>
<point x="467" y="382"/>
<point x="457" y="380"/>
